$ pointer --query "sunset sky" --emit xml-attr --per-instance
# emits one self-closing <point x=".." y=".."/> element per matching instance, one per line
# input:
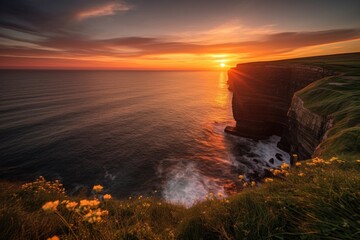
<point x="165" y="34"/>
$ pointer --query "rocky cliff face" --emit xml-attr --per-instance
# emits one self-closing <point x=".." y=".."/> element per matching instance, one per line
<point x="262" y="94"/>
<point x="307" y="129"/>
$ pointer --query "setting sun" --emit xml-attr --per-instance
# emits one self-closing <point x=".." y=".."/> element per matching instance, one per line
<point x="222" y="65"/>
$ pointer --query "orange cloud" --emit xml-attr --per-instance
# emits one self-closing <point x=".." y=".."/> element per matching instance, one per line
<point x="104" y="10"/>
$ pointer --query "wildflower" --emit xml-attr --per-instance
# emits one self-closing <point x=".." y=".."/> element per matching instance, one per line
<point x="95" y="216"/>
<point x="301" y="174"/>
<point x="267" y="180"/>
<point x="358" y="161"/>
<point x="54" y="238"/>
<point x="107" y="197"/>
<point x="159" y="203"/>
<point x="89" y="203"/>
<point x="140" y="197"/>
<point x="146" y="204"/>
<point x="276" y="172"/>
<point x="298" y="164"/>
<point x="245" y="184"/>
<point x="294" y="155"/>
<point x="284" y="166"/>
<point x="130" y="198"/>
<point x="253" y="183"/>
<point x="241" y="177"/>
<point x="50" y="206"/>
<point x="71" y="205"/>
<point x="220" y="195"/>
<point x="98" y="188"/>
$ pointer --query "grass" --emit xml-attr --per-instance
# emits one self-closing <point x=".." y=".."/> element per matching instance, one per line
<point x="338" y="98"/>
<point x="321" y="203"/>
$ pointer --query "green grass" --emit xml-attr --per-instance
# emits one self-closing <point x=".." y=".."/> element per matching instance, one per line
<point x="323" y="204"/>
<point x="338" y="98"/>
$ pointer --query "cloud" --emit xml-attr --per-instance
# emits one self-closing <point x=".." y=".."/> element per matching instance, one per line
<point x="40" y="17"/>
<point x="73" y="46"/>
<point x="103" y="10"/>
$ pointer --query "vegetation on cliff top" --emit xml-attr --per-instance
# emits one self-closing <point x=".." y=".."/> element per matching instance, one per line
<point x="337" y="98"/>
<point x="316" y="199"/>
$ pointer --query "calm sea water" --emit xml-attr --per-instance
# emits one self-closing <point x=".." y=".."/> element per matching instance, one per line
<point x="133" y="132"/>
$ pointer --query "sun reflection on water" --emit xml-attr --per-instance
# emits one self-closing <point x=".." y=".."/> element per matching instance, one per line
<point x="222" y="95"/>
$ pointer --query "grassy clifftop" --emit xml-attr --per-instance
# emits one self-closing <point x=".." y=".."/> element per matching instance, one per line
<point x="337" y="97"/>
<point x="316" y="200"/>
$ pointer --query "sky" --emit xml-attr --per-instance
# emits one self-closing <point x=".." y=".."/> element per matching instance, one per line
<point x="172" y="34"/>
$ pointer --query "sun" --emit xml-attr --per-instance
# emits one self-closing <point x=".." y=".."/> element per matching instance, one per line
<point x="222" y="65"/>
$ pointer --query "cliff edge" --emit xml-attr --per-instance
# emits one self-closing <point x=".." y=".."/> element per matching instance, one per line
<point x="268" y="99"/>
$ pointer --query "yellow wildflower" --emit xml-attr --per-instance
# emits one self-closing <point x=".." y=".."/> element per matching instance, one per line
<point x="89" y="203"/>
<point x="267" y="180"/>
<point x="241" y="177"/>
<point x="298" y="164"/>
<point x="71" y="205"/>
<point x="220" y="195"/>
<point x="276" y="172"/>
<point x="54" y="238"/>
<point x="140" y="197"/>
<point x="284" y="166"/>
<point x="146" y="204"/>
<point x="95" y="216"/>
<point x="253" y="183"/>
<point x="50" y="206"/>
<point x="301" y="174"/>
<point x="98" y="188"/>
<point x="107" y="197"/>
<point x="245" y="184"/>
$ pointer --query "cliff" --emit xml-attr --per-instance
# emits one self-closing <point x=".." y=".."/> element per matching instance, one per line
<point x="262" y="94"/>
<point x="264" y="103"/>
<point x="307" y="129"/>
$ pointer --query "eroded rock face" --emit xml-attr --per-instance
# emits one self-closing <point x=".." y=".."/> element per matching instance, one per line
<point x="307" y="128"/>
<point x="262" y="94"/>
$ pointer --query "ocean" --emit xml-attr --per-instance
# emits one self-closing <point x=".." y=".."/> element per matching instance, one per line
<point x="135" y="132"/>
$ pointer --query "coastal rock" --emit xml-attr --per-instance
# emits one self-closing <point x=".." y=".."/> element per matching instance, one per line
<point x="262" y="94"/>
<point x="307" y="128"/>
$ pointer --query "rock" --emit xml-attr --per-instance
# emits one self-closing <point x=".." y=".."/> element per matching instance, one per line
<point x="279" y="157"/>
<point x="262" y="94"/>
<point x="307" y="128"/>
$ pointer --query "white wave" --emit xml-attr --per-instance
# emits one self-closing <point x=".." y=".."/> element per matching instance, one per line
<point x="186" y="185"/>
